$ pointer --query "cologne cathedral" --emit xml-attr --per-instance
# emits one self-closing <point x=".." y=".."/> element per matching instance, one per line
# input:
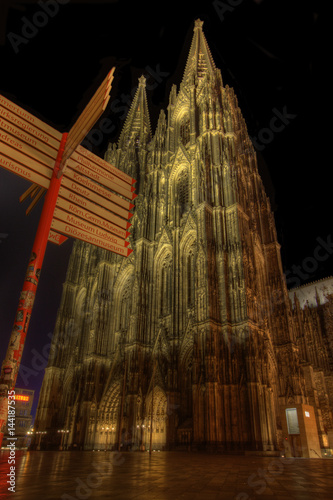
<point x="193" y="340"/>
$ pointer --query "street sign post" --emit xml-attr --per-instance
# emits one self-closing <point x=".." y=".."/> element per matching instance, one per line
<point x="12" y="361"/>
<point x="82" y="201"/>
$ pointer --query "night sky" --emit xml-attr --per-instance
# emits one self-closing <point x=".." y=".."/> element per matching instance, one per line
<point x="274" y="53"/>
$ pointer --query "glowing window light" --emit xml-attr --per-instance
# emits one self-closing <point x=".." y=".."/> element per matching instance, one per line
<point x="20" y="397"/>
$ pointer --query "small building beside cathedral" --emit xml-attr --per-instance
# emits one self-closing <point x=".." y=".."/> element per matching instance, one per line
<point x="194" y="340"/>
<point x="21" y="430"/>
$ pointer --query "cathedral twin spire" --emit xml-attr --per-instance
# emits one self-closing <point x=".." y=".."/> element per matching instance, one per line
<point x="137" y="126"/>
<point x="199" y="61"/>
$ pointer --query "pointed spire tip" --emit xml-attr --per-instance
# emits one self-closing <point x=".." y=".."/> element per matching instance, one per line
<point x="142" y="81"/>
<point x="198" y="23"/>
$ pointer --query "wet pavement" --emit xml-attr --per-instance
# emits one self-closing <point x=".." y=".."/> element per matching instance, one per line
<point x="163" y="476"/>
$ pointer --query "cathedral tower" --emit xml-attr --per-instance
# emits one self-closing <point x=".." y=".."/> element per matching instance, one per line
<point x="192" y="337"/>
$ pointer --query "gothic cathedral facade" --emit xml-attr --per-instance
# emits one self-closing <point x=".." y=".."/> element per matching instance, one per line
<point x="190" y="341"/>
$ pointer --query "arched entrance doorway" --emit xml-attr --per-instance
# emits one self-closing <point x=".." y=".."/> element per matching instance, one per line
<point x="107" y="426"/>
<point x="155" y="420"/>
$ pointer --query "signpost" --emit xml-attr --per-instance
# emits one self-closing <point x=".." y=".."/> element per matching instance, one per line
<point x="80" y="202"/>
<point x="12" y="361"/>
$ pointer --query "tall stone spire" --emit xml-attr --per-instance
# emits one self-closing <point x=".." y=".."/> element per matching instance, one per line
<point x="137" y="128"/>
<point x="199" y="61"/>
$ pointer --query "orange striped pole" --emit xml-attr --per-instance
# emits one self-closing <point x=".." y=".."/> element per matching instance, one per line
<point x="11" y="364"/>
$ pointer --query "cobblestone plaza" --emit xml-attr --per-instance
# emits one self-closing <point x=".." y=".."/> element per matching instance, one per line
<point x="164" y="476"/>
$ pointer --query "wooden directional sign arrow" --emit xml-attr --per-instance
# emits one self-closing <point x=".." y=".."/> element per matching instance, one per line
<point x="97" y="231"/>
<point x="25" y="160"/>
<point x="76" y="183"/>
<point x="17" y="150"/>
<point x="28" y="146"/>
<point x="23" y="171"/>
<point x="27" y="138"/>
<point x="93" y="171"/>
<point x="101" y="191"/>
<point x="77" y="195"/>
<point x="92" y="213"/>
<point x="107" y="166"/>
<point x="29" y="123"/>
<point x="83" y="235"/>
<point x="90" y="115"/>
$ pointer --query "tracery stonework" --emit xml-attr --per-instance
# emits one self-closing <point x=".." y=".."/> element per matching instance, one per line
<point x="194" y="334"/>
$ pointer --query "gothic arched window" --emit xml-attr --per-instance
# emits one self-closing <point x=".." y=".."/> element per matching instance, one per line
<point x="190" y="279"/>
<point x="165" y="294"/>
<point x="183" y="195"/>
<point x="123" y="307"/>
<point x="184" y="129"/>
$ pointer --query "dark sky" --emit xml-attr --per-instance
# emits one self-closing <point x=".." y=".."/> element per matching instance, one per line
<point x="272" y="52"/>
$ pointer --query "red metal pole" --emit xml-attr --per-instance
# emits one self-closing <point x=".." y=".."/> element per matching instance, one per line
<point x="11" y="364"/>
